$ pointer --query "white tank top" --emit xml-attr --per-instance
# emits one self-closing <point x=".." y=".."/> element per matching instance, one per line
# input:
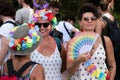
<point x="51" y="64"/>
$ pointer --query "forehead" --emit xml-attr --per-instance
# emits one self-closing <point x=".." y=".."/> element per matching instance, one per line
<point x="88" y="14"/>
<point x="57" y="9"/>
<point x="43" y="21"/>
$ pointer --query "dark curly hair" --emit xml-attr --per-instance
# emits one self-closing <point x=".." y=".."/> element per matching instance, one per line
<point x="103" y="4"/>
<point x="55" y="4"/>
<point x="29" y="2"/>
<point x="88" y="8"/>
<point x="68" y="16"/>
<point x="6" y="8"/>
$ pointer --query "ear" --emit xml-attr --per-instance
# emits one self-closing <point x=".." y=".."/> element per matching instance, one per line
<point x="80" y="23"/>
<point x="50" y="26"/>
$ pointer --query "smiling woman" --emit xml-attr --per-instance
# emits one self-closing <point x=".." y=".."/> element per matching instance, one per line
<point x="47" y="52"/>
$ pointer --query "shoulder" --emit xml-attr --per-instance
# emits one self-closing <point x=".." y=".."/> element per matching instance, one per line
<point x="38" y="72"/>
<point x="60" y="24"/>
<point x="4" y="39"/>
<point x="19" y="10"/>
<point x="108" y="41"/>
<point x="38" y="67"/>
<point x="31" y="9"/>
<point x="5" y="29"/>
<point x="69" y="25"/>
<point x="5" y="70"/>
<point x="7" y="26"/>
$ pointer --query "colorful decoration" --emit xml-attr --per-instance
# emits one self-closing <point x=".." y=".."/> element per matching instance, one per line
<point x="38" y="6"/>
<point x="95" y="72"/>
<point x="26" y="42"/>
<point x="82" y="43"/>
<point x="44" y="14"/>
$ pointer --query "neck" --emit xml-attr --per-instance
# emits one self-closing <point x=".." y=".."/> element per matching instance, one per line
<point x="6" y="18"/>
<point x="105" y="12"/>
<point x="46" y="38"/>
<point x="26" y="6"/>
<point x="88" y="30"/>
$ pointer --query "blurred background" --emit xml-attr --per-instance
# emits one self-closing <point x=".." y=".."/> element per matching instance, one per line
<point x="73" y="6"/>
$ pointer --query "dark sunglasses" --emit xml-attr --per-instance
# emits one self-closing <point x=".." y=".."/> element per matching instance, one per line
<point x="45" y="25"/>
<point x="91" y="18"/>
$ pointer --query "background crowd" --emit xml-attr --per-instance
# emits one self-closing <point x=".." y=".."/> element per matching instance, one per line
<point x="25" y="37"/>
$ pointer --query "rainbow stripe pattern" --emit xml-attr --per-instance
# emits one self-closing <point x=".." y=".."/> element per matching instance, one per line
<point x="81" y="43"/>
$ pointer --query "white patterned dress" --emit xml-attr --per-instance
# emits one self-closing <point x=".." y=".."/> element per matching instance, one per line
<point x="52" y="64"/>
<point x="98" y="59"/>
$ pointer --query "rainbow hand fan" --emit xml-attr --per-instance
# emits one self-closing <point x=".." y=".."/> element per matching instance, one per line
<point x="81" y="43"/>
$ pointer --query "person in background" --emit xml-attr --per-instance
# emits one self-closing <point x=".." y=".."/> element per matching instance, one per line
<point x="3" y="49"/>
<point x="24" y="14"/>
<point x="1" y="22"/>
<point x="111" y="6"/>
<point x="21" y="54"/>
<point x="103" y="8"/>
<point x="7" y="13"/>
<point x="88" y="21"/>
<point x="55" y="7"/>
<point x="66" y="27"/>
<point x="104" y="30"/>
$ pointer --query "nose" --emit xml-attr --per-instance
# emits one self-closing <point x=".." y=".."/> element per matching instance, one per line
<point x="89" y="20"/>
<point x="41" y="26"/>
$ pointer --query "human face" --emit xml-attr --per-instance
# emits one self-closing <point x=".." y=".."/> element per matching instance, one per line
<point x="55" y="10"/>
<point x="44" y="27"/>
<point x="20" y="2"/>
<point x="88" y="22"/>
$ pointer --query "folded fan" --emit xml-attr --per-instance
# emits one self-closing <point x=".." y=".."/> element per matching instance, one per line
<point x="81" y="43"/>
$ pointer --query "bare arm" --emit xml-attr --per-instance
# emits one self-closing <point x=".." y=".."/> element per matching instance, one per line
<point x="75" y="30"/>
<point x="38" y="73"/>
<point x="3" y="50"/>
<point x="110" y="57"/>
<point x="100" y="25"/>
<point x="63" y="56"/>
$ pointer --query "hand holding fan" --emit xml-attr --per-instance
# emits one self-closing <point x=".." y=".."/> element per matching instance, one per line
<point x="81" y="43"/>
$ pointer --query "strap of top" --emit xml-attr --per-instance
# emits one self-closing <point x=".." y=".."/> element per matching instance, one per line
<point x="11" y="70"/>
<point x="103" y="40"/>
<point x="67" y="30"/>
<point x="10" y="67"/>
<point x="58" y="44"/>
<point x="24" y="67"/>
<point x="11" y="23"/>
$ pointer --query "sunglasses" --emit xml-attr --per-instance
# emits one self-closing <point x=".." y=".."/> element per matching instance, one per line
<point x="88" y="19"/>
<point x="45" y="25"/>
